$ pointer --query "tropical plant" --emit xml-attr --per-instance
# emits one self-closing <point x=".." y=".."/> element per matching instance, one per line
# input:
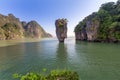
<point x="53" y="75"/>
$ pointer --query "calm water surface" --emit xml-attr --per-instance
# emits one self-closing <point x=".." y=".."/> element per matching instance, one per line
<point x="92" y="61"/>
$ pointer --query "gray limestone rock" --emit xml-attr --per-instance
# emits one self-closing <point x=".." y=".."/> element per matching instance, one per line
<point x="61" y="29"/>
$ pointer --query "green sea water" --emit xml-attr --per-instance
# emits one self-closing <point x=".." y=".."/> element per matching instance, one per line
<point x="92" y="61"/>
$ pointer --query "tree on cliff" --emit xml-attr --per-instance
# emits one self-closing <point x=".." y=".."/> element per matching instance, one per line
<point x="103" y="25"/>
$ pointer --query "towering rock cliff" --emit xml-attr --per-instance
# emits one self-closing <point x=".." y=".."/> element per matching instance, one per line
<point x="34" y="30"/>
<point x="101" y="26"/>
<point x="61" y="29"/>
<point x="12" y="28"/>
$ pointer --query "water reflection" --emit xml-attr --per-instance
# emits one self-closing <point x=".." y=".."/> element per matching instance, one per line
<point x="62" y="55"/>
<point x="92" y="61"/>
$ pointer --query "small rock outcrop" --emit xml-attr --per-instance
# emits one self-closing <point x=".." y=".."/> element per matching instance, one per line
<point x="61" y="29"/>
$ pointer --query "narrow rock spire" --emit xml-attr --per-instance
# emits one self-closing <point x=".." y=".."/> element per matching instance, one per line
<point x="61" y="29"/>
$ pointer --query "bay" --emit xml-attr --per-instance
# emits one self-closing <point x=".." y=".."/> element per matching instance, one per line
<point x="92" y="61"/>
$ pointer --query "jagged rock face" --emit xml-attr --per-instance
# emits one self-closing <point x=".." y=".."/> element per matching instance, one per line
<point x="78" y="35"/>
<point x="88" y="28"/>
<point x="34" y="30"/>
<point x="9" y="19"/>
<point x="92" y="30"/>
<point x="12" y="28"/>
<point x="101" y="26"/>
<point x="81" y="35"/>
<point x="89" y="32"/>
<point x="24" y="23"/>
<point x="61" y="29"/>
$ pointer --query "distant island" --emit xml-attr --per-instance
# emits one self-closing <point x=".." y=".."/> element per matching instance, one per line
<point x="12" y="28"/>
<point x="101" y="26"/>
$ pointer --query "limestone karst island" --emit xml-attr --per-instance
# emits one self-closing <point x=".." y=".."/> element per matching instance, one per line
<point x="12" y="28"/>
<point x="101" y="26"/>
<point x="61" y="29"/>
<point x="59" y="39"/>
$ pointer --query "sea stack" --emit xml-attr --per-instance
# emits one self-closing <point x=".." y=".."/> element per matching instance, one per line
<point x="61" y="29"/>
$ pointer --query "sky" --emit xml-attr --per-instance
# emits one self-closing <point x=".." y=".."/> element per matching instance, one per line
<point x="45" y="12"/>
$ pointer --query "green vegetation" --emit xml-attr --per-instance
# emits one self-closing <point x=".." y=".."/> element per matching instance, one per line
<point x="62" y="22"/>
<point x="10" y="31"/>
<point x="109" y="18"/>
<point x="54" y="75"/>
<point x="2" y="35"/>
<point x="12" y="28"/>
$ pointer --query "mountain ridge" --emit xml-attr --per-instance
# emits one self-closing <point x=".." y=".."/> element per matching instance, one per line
<point x="12" y="28"/>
